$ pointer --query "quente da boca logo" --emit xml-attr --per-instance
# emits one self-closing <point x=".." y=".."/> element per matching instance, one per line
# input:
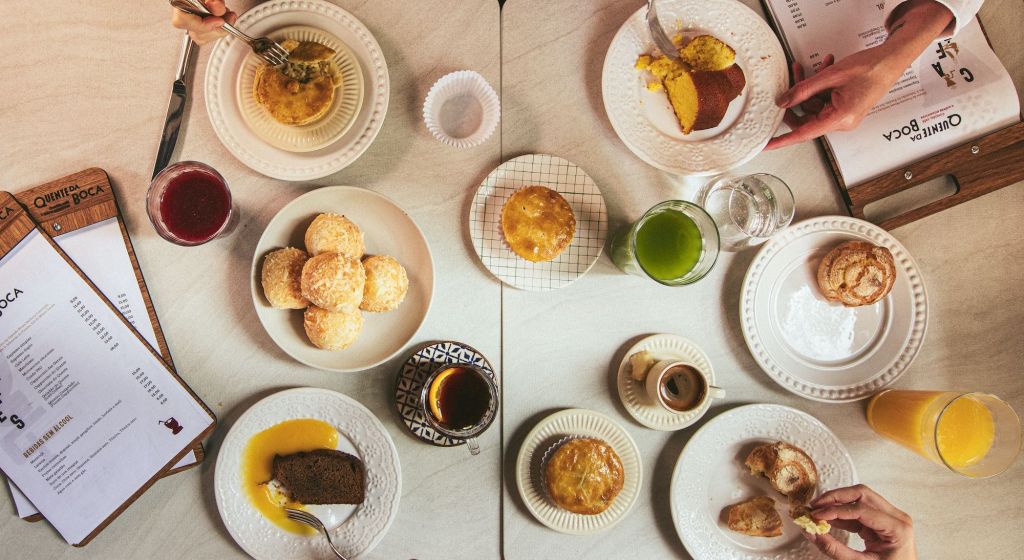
<point x="6" y="299"/>
<point x="75" y="192"/>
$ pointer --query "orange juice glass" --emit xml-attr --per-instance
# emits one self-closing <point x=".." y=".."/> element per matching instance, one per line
<point x="973" y="434"/>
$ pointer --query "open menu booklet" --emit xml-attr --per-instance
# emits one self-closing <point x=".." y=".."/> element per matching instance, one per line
<point x="953" y="93"/>
<point x="90" y="416"/>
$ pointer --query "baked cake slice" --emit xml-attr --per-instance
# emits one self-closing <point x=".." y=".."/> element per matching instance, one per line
<point x="322" y="476"/>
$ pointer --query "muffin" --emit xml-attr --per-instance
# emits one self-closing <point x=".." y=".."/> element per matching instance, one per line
<point x="583" y="475"/>
<point x="334" y="282"/>
<point x="330" y="330"/>
<point x="333" y="233"/>
<point x="281" y="278"/>
<point x="386" y="284"/>
<point x="538" y="223"/>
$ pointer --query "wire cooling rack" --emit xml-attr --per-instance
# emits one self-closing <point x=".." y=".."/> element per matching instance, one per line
<point x="579" y="191"/>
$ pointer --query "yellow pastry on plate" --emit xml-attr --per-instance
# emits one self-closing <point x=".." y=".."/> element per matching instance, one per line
<point x="281" y="278"/>
<point x="332" y="330"/>
<point x="334" y="282"/>
<point x="334" y="233"/>
<point x="755" y="517"/>
<point x="386" y="284"/>
<point x="584" y="476"/>
<point x="538" y="223"/>
<point x="302" y="90"/>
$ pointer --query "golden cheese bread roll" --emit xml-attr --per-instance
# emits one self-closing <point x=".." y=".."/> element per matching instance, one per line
<point x="334" y="233"/>
<point x="857" y="273"/>
<point x="333" y="281"/>
<point x="331" y="330"/>
<point x="281" y="278"/>
<point x="386" y="284"/>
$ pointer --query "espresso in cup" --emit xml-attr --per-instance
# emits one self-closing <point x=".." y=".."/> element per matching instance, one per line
<point x="460" y="401"/>
<point x="680" y="387"/>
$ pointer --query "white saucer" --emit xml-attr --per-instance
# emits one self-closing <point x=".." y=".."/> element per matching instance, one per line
<point x="586" y="423"/>
<point x="634" y="396"/>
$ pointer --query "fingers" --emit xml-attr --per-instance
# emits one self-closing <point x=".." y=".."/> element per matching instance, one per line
<point x="204" y="29"/>
<point x="884" y="524"/>
<point x="216" y="7"/>
<point x="807" y="127"/>
<point x="835" y="549"/>
<point x="858" y="493"/>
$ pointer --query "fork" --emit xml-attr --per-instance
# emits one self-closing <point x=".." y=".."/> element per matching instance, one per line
<point x="313" y="521"/>
<point x="661" y="39"/>
<point x="264" y="47"/>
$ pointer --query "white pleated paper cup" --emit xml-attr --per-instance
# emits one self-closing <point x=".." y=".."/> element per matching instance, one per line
<point x="462" y="110"/>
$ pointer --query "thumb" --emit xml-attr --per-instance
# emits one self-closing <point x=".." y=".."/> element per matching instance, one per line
<point x="835" y="549"/>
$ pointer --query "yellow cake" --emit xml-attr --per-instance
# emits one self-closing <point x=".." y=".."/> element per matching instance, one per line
<point x="707" y="53"/>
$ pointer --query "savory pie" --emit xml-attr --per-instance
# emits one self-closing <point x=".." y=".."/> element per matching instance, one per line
<point x="538" y="223"/>
<point x="584" y="476"/>
<point x="301" y="90"/>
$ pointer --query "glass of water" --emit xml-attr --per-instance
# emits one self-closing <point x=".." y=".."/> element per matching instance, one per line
<point x="748" y="209"/>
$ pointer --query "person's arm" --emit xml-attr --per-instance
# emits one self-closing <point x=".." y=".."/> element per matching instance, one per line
<point x="204" y="29"/>
<point x="841" y="94"/>
<point x="963" y="12"/>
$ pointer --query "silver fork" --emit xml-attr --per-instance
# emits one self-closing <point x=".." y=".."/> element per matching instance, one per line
<point x="313" y="521"/>
<point x="661" y="39"/>
<point x="265" y="47"/>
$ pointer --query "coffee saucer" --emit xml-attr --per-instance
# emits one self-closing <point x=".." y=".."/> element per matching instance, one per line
<point x="416" y="369"/>
<point x="633" y="395"/>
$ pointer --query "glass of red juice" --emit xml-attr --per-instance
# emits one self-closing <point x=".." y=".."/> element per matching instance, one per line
<point x="189" y="204"/>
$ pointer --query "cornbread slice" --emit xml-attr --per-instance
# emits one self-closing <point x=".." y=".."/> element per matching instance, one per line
<point x="699" y="99"/>
<point x="706" y="53"/>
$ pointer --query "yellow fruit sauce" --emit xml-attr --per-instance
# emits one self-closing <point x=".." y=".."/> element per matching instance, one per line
<point x="257" y="462"/>
<point x="960" y="434"/>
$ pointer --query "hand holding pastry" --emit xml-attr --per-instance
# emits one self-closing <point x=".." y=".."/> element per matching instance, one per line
<point x="205" y="29"/>
<point x="888" y="533"/>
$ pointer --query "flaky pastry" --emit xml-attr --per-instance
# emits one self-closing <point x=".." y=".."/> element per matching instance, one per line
<point x="755" y="517"/>
<point x="538" y="223"/>
<point x="584" y="476"/>
<point x="857" y="273"/>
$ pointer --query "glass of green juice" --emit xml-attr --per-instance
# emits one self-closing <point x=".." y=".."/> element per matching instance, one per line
<point x="675" y="243"/>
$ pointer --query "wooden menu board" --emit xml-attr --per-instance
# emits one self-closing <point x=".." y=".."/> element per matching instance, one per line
<point x="16" y="230"/>
<point x="77" y="201"/>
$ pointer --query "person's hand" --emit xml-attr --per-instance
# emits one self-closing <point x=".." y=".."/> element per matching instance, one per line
<point x="839" y="96"/>
<point x="842" y="93"/>
<point x="888" y="533"/>
<point x="204" y="29"/>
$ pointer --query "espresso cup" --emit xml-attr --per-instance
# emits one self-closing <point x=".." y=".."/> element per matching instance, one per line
<point x="680" y="387"/>
<point x="460" y="401"/>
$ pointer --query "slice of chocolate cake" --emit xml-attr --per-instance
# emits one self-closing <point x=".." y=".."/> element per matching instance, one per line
<point x="323" y="476"/>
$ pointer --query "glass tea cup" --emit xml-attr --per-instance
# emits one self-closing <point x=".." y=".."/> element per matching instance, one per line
<point x="674" y="243"/>
<point x="976" y="435"/>
<point x="189" y="203"/>
<point x="748" y="209"/>
<point x="460" y="401"/>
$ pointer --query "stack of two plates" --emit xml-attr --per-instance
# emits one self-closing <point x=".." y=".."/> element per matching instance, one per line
<point x="299" y="153"/>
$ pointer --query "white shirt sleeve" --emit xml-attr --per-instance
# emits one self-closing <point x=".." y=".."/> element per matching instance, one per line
<point x="963" y="12"/>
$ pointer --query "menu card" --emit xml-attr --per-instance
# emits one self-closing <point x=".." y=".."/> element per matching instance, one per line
<point x="81" y="210"/>
<point x="956" y="91"/>
<point x="89" y="415"/>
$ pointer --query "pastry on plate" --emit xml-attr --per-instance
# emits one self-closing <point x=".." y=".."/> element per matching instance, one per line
<point x="789" y="470"/>
<point x="583" y="476"/>
<point x="334" y="282"/>
<point x="706" y="53"/>
<point x="321" y="476"/>
<point x="755" y="517"/>
<point x="281" y="278"/>
<point x="538" y="223"/>
<point x="334" y="233"/>
<point x="857" y="273"/>
<point x="386" y="284"/>
<point x="300" y="91"/>
<point x="332" y="330"/>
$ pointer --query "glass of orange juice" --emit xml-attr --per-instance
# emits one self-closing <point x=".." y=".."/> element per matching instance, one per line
<point x="973" y="434"/>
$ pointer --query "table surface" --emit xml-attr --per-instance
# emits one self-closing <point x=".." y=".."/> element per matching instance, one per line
<point x="553" y="350"/>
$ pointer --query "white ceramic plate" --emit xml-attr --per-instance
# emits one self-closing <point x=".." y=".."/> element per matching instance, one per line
<point x="348" y="97"/>
<point x="549" y="431"/>
<point x="355" y="529"/>
<point x="819" y="349"/>
<point x="710" y="475"/>
<point x="388" y="230"/>
<point x="226" y="64"/>
<point x="644" y="119"/>
<point x="634" y="396"/>
<point x="579" y="191"/>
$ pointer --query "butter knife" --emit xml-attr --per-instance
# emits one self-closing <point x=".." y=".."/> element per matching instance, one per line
<point x="175" y="107"/>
